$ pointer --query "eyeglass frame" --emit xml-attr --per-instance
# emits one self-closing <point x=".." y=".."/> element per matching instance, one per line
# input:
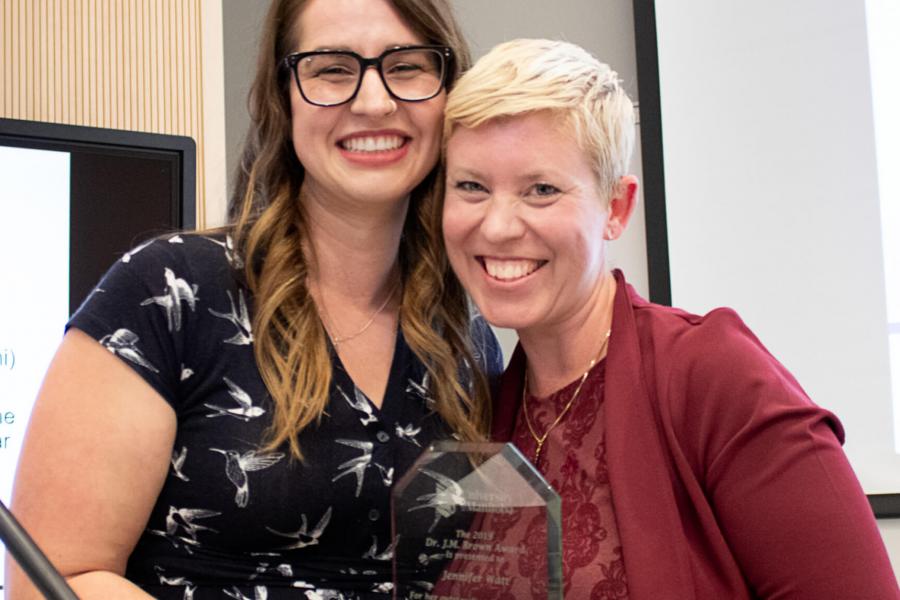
<point x="290" y="62"/>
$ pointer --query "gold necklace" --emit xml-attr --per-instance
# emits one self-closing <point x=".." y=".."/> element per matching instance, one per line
<point x="338" y="340"/>
<point x="540" y="439"/>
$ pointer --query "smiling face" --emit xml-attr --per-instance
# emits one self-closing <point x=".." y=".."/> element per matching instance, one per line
<point x="372" y="149"/>
<point x="524" y="222"/>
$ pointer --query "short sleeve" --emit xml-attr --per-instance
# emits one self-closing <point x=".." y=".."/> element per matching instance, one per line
<point x="139" y="310"/>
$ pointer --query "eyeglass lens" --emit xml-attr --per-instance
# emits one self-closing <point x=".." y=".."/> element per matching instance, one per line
<point x="332" y="78"/>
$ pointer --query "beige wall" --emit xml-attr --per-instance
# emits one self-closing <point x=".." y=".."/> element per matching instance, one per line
<point x="140" y="65"/>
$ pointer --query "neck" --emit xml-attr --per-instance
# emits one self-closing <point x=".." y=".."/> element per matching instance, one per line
<point x="559" y="353"/>
<point x="354" y="247"/>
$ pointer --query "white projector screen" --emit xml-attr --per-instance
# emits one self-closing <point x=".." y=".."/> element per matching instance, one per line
<point x="34" y="305"/>
<point x="780" y="152"/>
<point x="73" y="199"/>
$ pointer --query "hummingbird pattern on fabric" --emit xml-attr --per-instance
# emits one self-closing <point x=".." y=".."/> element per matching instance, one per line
<point x="356" y="466"/>
<point x="245" y="409"/>
<point x="237" y="466"/>
<point x="420" y="389"/>
<point x="163" y="579"/>
<point x="260" y="592"/>
<point x="283" y="569"/>
<point x="189" y="586"/>
<point x="176" y="291"/>
<point x="386" y="554"/>
<point x="178" y="459"/>
<point x="234" y="519"/>
<point x="302" y="536"/>
<point x="233" y="258"/>
<point x="322" y="594"/>
<point x="185" y="517"/>
<point x="361" y="403"/>
<point x="178" y="542"/>
<point x="123" y="343"/>
<point x="408" y="433"/>
<point x="238" y="317"/>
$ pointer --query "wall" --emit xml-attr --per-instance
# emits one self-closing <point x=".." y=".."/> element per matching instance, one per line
<point x="140" y="65"/>
<point x="767" y="153"/>
<point x="605" y="27"/>
<point x="241" y="21"/>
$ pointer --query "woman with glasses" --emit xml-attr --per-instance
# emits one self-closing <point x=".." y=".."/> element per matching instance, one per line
<point x="229" y="410"/>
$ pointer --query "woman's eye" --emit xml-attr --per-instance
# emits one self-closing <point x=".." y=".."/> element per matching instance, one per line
<point x="471" y="187"/>
<point x="404" y="68"/>
<point x="545" y="189"/>
<point x="334" y="71"/>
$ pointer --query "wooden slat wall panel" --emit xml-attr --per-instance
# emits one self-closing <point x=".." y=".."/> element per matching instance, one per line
<point x="122" y="64"/>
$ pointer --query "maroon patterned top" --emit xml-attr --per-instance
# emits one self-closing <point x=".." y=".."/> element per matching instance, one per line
<point x="573" y="460"/>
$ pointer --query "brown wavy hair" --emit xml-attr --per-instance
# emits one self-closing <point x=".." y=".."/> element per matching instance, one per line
<point x="269" y="231"/>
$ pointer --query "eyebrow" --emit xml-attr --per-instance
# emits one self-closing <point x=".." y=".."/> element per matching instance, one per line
<point x="465" y="172"/>
<point x="539" y="175"/>
<point x="529" y="176"/>
<point x="349" y="49"/>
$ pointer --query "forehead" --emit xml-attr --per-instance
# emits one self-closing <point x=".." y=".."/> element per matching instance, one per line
<point x="532" y="146"/>
<point x="366" y="26"/>
<point x="538" y="135"/>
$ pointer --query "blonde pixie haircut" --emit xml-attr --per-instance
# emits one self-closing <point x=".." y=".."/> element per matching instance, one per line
<point x="527" y="75"/>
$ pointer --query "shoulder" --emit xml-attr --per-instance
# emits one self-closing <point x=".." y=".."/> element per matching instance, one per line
<point x="713" y="378"/>
<point x="198" y="252"/>
<point x="681" y="338"/>
<point x="671" y="338"/>
<point x="168" y="303"/>
<point x="703" y="349"/>
<point x="675" y="343"/>
<point x="192" y="259"/>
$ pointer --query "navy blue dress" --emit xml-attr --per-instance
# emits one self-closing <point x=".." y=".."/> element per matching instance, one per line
<point x="233" y="521"/>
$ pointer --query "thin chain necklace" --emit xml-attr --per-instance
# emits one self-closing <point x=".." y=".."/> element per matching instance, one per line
<point x="336" y="340"/>
<point x="540" y="439"/>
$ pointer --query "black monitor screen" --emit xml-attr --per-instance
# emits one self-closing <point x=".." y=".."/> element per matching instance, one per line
<point x="124" y="187"/>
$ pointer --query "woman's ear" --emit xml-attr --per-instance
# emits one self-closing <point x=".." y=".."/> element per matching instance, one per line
<point x="621" y="206"/>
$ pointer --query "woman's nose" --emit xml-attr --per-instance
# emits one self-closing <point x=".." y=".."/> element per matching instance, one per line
<point x="372" y="97"/>
<point x="501" y="220"/>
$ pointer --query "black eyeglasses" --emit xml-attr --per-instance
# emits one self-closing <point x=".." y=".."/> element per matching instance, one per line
<point x="333" y="77"/>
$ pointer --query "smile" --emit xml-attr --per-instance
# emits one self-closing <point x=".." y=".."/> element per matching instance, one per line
<point x="510" y="269"/>
<point x="382" y="143"/>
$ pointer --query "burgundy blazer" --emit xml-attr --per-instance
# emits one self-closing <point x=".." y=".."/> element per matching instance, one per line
<point x="727" y="481"/>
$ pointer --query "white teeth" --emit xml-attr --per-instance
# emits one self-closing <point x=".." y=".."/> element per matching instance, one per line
<point x="372" y="144"/>
<point x="507" y="270"/>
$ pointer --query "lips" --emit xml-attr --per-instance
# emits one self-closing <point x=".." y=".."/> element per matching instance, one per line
<point x="510" y="269"/>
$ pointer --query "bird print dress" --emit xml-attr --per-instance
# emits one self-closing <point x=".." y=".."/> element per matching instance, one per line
<point x="232" y="520"/>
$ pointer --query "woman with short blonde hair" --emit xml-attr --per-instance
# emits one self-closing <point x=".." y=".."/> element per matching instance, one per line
<point x="691" y="464"/>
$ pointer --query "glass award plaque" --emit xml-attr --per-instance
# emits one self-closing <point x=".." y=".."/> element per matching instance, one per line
<point x="473" y="521"/>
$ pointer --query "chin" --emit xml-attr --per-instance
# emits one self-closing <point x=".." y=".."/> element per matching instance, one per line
<point x="506" y="317"/>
